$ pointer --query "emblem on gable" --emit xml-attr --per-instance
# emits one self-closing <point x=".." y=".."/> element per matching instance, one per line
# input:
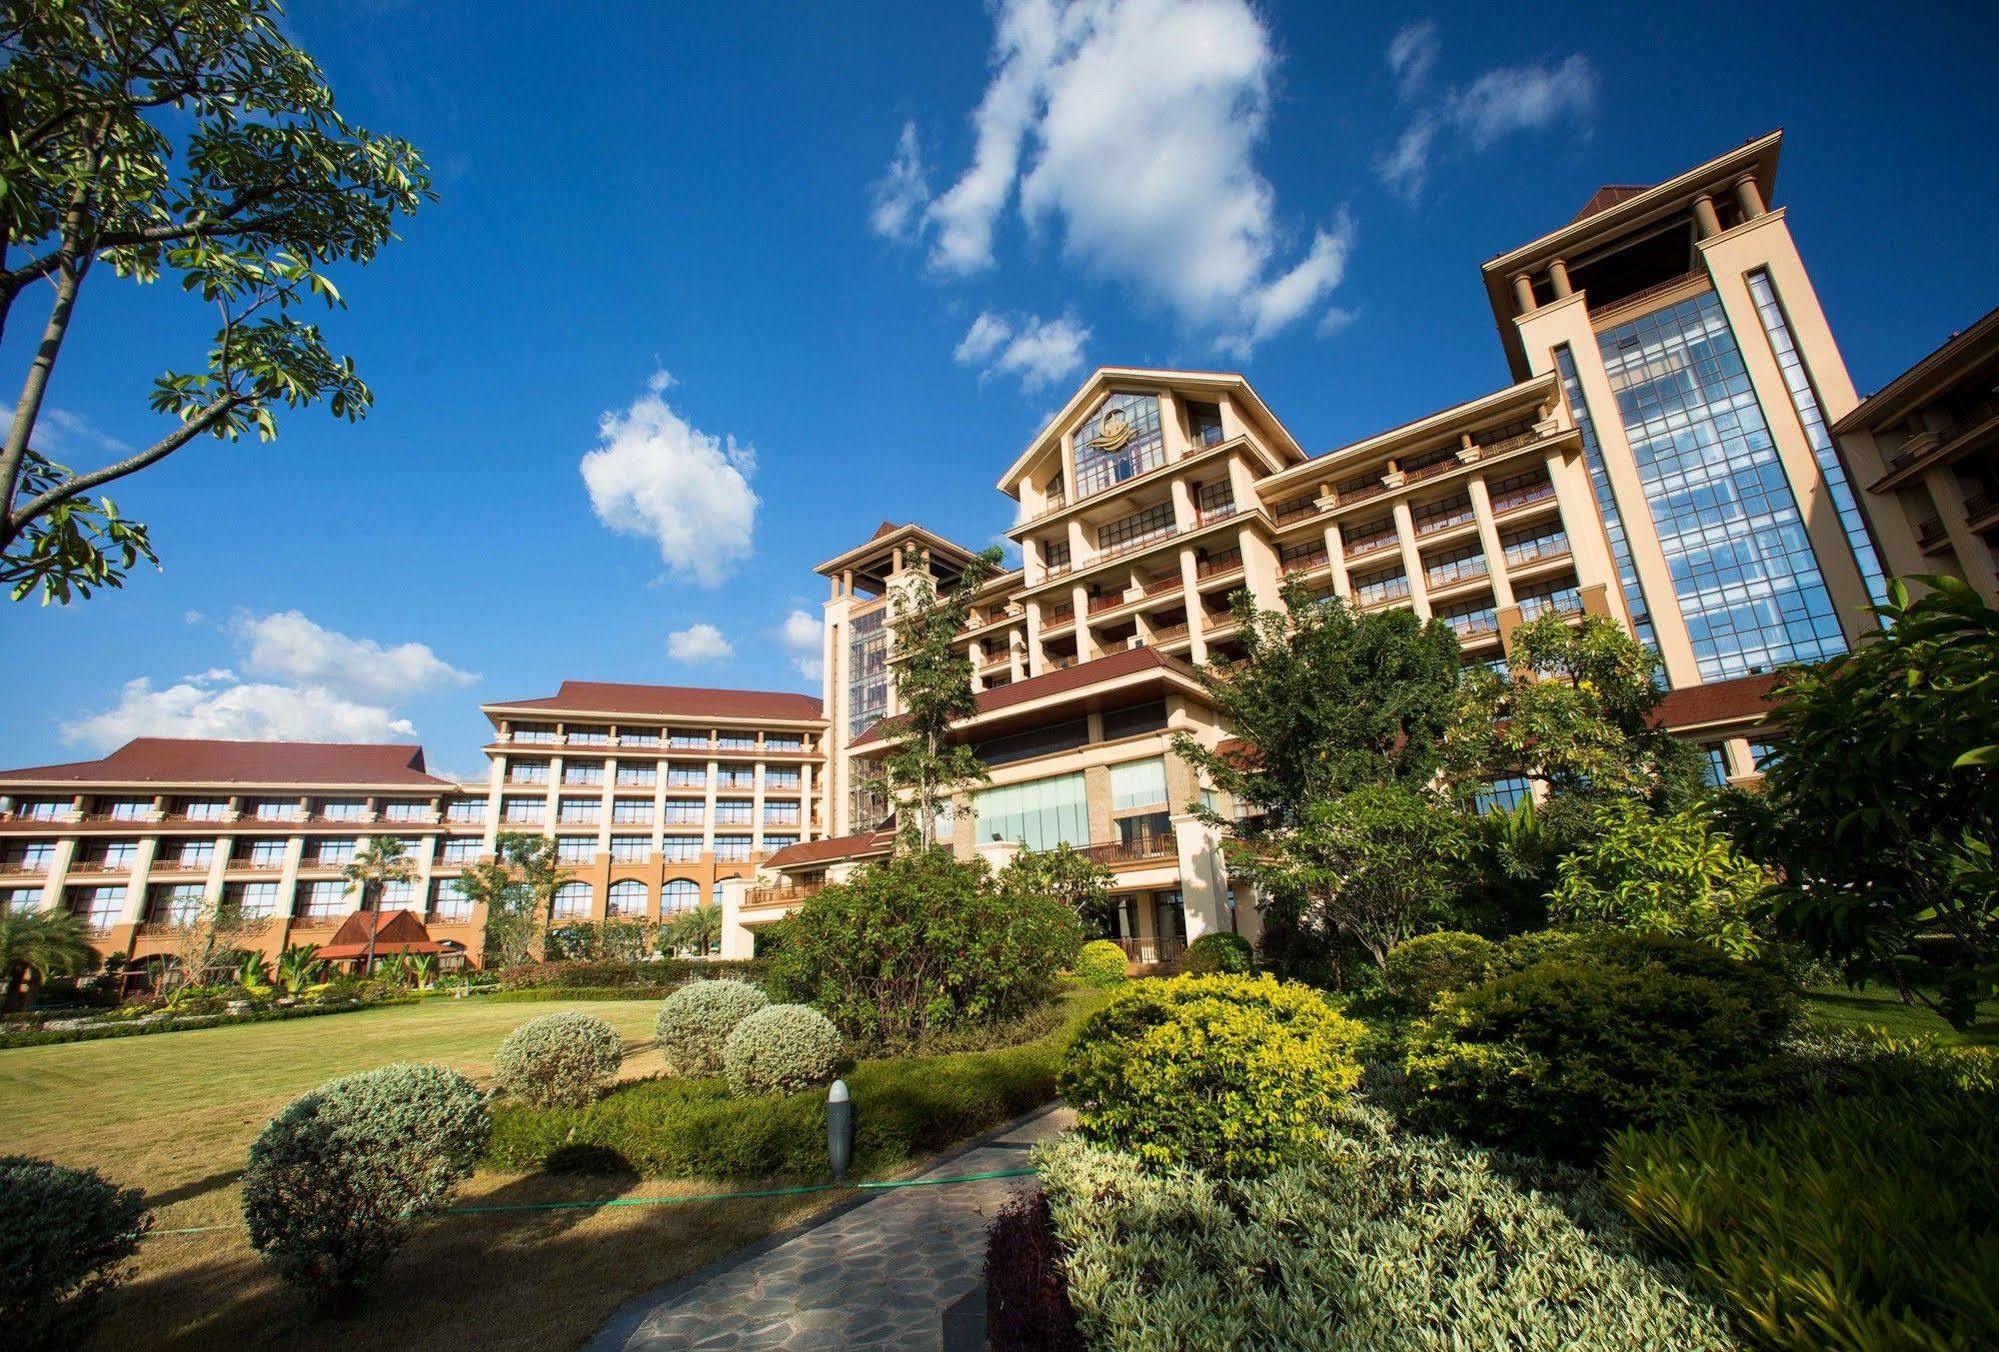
<point x="1113" y="431"/>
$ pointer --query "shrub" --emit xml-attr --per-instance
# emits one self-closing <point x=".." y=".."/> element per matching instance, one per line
<point x="1369" y="1241"/>
<point x="1219" y="953"/>
<point x="1226" y="1073"/>
<point x="1599" y="1033"/>
<point x="1864" y="1222"/>
<point x="64" y="1237"/>
<point x="1421" y="969"/>
<point x="558" y="1058"/>
<point x="659" y="975"/>
<point x="337" y="1179"/>
<point x="781" y="1050"/>
<point x="697" y="1019"/>
<point x="922" y="942"/>
<point x="1027" y="1305"/>
<point x="1100" y="965"/>
<point x="1673" y="875"/>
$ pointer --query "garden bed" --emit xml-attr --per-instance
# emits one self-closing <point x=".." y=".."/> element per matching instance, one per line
<point x="179" y="1023"/>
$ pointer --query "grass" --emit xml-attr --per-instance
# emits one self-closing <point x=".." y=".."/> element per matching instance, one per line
<point x="175" y="1114"/>
<point x="1881" y="1007"/>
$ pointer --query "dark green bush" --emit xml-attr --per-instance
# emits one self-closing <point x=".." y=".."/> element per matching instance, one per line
<point x="337" y="1179"/>
<point x="1862" y="1222"/>
<point x="922" y="941"/>
<point x="1231" y="1074"/>
<point x="64" y="1237"/>
<point x="1228" y="953"/>
<point x="659" y="976"/>
<point x="1101" y="964"/>
<point x="1597" y="1033"/>
<point x="1421" y="969"/>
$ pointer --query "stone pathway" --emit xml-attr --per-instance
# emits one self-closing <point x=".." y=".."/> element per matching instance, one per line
<point x="877" y="1271"/>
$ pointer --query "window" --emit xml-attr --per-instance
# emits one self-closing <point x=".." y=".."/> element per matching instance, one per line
<point x="732" y="849"/>
<point x="343" y="809"/>
<point x="1120" y="441"/>
<point x="448" y="901"/>
<point x="1055" y="556"/>
<point x="1471" y="619"/>
<point x="20" y="899"/>
<point x="735" y="777"/>
<point x="1606" y="503"/>
<point x="637" y="776"/>
<point x="527" y="772"/>
<point x="680" y="894"/>
<point x="334" y="854"/>
<point x="535" y="734"/>
<point x="1298" y="557"/>
<point x="686" y="811"/>
<point x="251" y="901"/>
<point x="781" y="777"/>
<point x="268" y="853"/>
<point x="1714" y="767"/>
<point x="638" y="737"/>
<point x="583" y="772"/>
<point x="325" y="899"/>
<point x="786" y="742"/>
<point x="778" y="842"/>
<point x="1386" y="585"/>
<point x="1040" y="814"/>
<point x="681" y="849"/>
<point x="1452" y="566"/>
<point x="1763" y="755"/>
<point x="737" y="741"/>
<point x="399" y="894"/>
<point x="130" y="809"/>
<point x="204" y="809"/>
<point x="579" y="811"/>
<point x="1129" y="532"/>
<point x="627" y="896"/>
<point x="466" y="810"/>
<point x="687" y="739"/>
<point x="1533" y="543"/>
<point x="589" y="736"/>
<point x="630" y="849"/>
<point x="177" y="904"/>
<point x="1216" y="501"/>
<point x="523" y="809"/>
<point x="1502" y="795"/>
<point x="195" y="854"/>
<point x="1430" y="517"/>
<point x="780" y="814"/>
<point x="1204" y="424"/>
<point x="732" y="812"/>
<point x="277" y="810"/>
<point x="687" y="776"/>
<point x="632" y="811"/>
<point x="462" y="850"/>
<point x="98" y="907"/>
<point x="867" y="671"/>
<point x="116" y="854"/>
<point x="572" y="902"/>
<point x="1134" y="719"/>
<point x="1137" y="784"/>
<point x="406" y="811"/>
<point x="576" y="849"/>
<point x="45" y="809"/>
<point x="1561" y="596"/>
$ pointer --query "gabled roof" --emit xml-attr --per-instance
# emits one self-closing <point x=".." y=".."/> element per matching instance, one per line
<point x="171" y="760"/>
<point x="830" y="850"/>
<point x="671" y="701"/>
<point x="395" y="932"/>
<point x="1125" y="663"/>
<point x="1695" y="706"/>
<point x="1609" y="195"/>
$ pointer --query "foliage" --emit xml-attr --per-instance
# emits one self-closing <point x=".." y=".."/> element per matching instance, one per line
<point x="1513" y="866"/>
<point x="612" y="940"/>
<point x="517" y="888"/>
<point x="1881" y="815"/>
<point x="696" y="1020"/>
<point x="1231" y="1074"/>
<point x="65" y="1235"/>
<point x="1373" y="867"/>
<point x="117" y="1024"/>
<point x="1857" y="1223"/>
<point x="1027" y="1301"/>
<point x="1588" y="1034"/>
<point x="337" y="1179"/>
<point x="698" y="929"/>
<point x="381" y="860"/>
<point x="933" y="688"/>
<point x="558" y="1059"/>
<point x="299" y="966"/>
<point x="1220" y="952"/>
<point x="676" y="1128"/>
<point x="1372" y="1242"/>
<point x="1101" y="964"/>
<point x="657" y="976"/>
<point x="922" y="941"/>
<point x="1573" y="712"/>
<point x="781" y="1049"/>
<point x="1675" y="875"/>
<point x="183" y="138"/>
<point x="1071" y="877"/>
<point x="1422" y="970"/>
<point x="43" y="944"/>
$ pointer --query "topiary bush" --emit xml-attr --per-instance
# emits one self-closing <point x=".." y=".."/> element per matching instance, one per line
<point x="1219" y="953"/>
<point x="696" y="1020"/>
<point x="65" y="1235"/>
<point x="1421" y="969"/>
<point x="1368" y="1241"/>
<point x="1231" y="1074"/>
<point x="781" y="1050"/>
<point x="558" y="1058"/>
<point x="338" y="1178"/>
<point x="1100" y="965"/>
<point x="1601" y="1032"/>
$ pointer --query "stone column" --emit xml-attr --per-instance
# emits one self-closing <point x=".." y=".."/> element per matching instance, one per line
<point x="1749" y="196"/>
<point x="1706" y="222"/>
<point x="1558" y="278"/>
<point x="1523" y="294"/>
<point x="1488" y="539"/>
<point x="1412" y="560"/>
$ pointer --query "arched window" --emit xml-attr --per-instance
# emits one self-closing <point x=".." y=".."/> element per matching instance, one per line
<point x="681" y="894"/>
<point x="572" y="902"/>
<point x="628" y="897"/>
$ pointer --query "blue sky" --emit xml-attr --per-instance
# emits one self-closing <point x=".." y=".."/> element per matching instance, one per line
<point x="783" y="271"/>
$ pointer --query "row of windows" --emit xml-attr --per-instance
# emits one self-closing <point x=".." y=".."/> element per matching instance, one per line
<point x="543" y="734"/>
<point x="263" y="809"/>
<point x="588" y="774"/>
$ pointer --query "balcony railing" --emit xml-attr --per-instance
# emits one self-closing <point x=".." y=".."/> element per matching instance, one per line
<point x="1108" y="601"/>
<point x="1523" y="496"/>
<point x="1369" y="544"/>
<point x="1160" y="846"/>
<point x="1431" y="471"/>
<point x="1145" y="541"/>
<point x="1160" y="585"/>
<point x="1479" y="622"/>
<point x="1228" y="561"/>
<point x="1443" y="521"/>
<point x="1295" y="510"/>
<point x="1553" y="547"/>
<point x="1171" y="633"/>
<point x="1208" y="516"/>
<point x="1656" y="289"/>
<point x="22" y="868"/>
<point x="781" y="896"/>
<point x="1451" y="574"/>
<point x="1346" y="497"/>
<point x="1161" y="948"/>
<point x="1930" y="532"/>
<point x="1055" y="615"/>
<point x="1977" y="505"/>
<point x="1305" y="563"/>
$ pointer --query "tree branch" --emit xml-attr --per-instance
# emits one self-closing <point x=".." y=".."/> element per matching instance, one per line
<point x="159" y="450"/>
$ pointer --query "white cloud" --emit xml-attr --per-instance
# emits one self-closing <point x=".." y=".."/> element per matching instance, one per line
<point x="290" y="647"/>
<point x="203" y="706"/>
<point x="1336" y="320"/>
<point x="656" y="475"/>
<point x="60" y="433"/>
<point x="1131" y="130"/>
<point x="1036" y="351"/>
<point x="801" y="638"/>
<point x="698" y="643"/>
<point x="902" y="192"/>
<point x="1496" y="104"/>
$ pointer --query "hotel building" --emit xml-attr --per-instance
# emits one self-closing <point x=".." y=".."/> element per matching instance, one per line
<point x="1678" y="448"/>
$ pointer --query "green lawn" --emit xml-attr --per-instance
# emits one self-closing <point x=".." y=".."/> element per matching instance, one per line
<point x="1881" y="1007"/>
<point x="175" y="1113"/>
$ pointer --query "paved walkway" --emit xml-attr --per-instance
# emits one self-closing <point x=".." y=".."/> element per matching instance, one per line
<point x="878" y="1271"/>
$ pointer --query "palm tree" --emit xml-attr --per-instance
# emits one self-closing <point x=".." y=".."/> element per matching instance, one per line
<point x="384" y="859"/>
<point x="44" y="944"/>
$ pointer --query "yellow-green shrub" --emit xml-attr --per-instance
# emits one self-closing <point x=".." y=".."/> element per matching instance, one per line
<point x="1101" y="965"/>
<point x="1219" y="952"/>
<point x="1231" y="1074"/>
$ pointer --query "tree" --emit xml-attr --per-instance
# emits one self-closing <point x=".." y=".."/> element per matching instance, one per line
<point x="38" y="945"/>
<point x="207" y="936"/>
<point x="183" y="138"/>
<point x="1676" y="875"/>
<point x="299" y="966"/>
<point x="699" y="929"/>
<point x="1881" y="812"/>
<point x="380" y="860"/>
<point x="517" y="887"/>
<point x="1074" y="879"/>
<point x="933" y="687"/>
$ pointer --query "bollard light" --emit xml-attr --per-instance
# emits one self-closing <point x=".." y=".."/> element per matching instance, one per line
<point x="840" y="1129"/>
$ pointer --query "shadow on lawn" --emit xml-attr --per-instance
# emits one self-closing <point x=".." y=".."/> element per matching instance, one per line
<point x="187" y="1192"/>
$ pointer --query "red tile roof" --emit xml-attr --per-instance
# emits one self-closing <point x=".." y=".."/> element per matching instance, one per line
<point x="830" y="850"/>
<point x="1717" y="701"/>
<point x="395" y="932"/>
<point x="673" y="701"/>
<point x="1608" y="196"/>
<point x="1125" y="663"/>
<point x="171" y="760"/>
<point x="885" y="528"/>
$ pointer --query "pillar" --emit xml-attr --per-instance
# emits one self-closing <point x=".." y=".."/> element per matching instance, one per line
<point x="1558" y="278"/>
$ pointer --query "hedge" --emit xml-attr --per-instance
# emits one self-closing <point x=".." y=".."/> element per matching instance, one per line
<point x="52" y="1037"/>
<point x="677" y="1128"/>
<point x="662" y="976"/>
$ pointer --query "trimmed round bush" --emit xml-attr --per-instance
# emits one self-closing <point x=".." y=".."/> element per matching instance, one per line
<point x="781" y="1050"/>
<point x="1219" y="953"/>
<point x="338" y="1178"/>
<point x="1603" y="1031"/>
<point x="64" y="1237"/>
<point x="1229" y="1074"/>
<point x="696" y="1020"/>
<point x="1100" y="965"/>
<point x="558" y="1059"/>
<point x="1422" y="969"/>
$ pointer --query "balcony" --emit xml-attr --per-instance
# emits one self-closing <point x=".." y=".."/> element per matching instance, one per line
<point x="781" y="896"/>
<point x="1145" y="541"/>
<point x="1523" y="496"/>
<point x="1541" y="551"/>
<point x="1347" y="497"/>
<point x="1284" y="513"/>
<point x="1443" y="521"/>
<point x="1208" y="516"/>
<point x="1930" y="534"/>
<point x="1159" y="948"/>
<point x="1305" y="563"/>
<point x="1215" y="565"/>
<point x="1370" y="544"/>
<point x="1159" y="586"/>
<point x="1979" y="505"/>
<point x="1139" y="849"/>
<point x="1109" y="601"/>
<point x="1057" y="616"/>
<point x="1443" y="577"/>
<point x="22" y="868"/>
<point x="1432" y="471"/>
<point x="1171" y="633"/>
